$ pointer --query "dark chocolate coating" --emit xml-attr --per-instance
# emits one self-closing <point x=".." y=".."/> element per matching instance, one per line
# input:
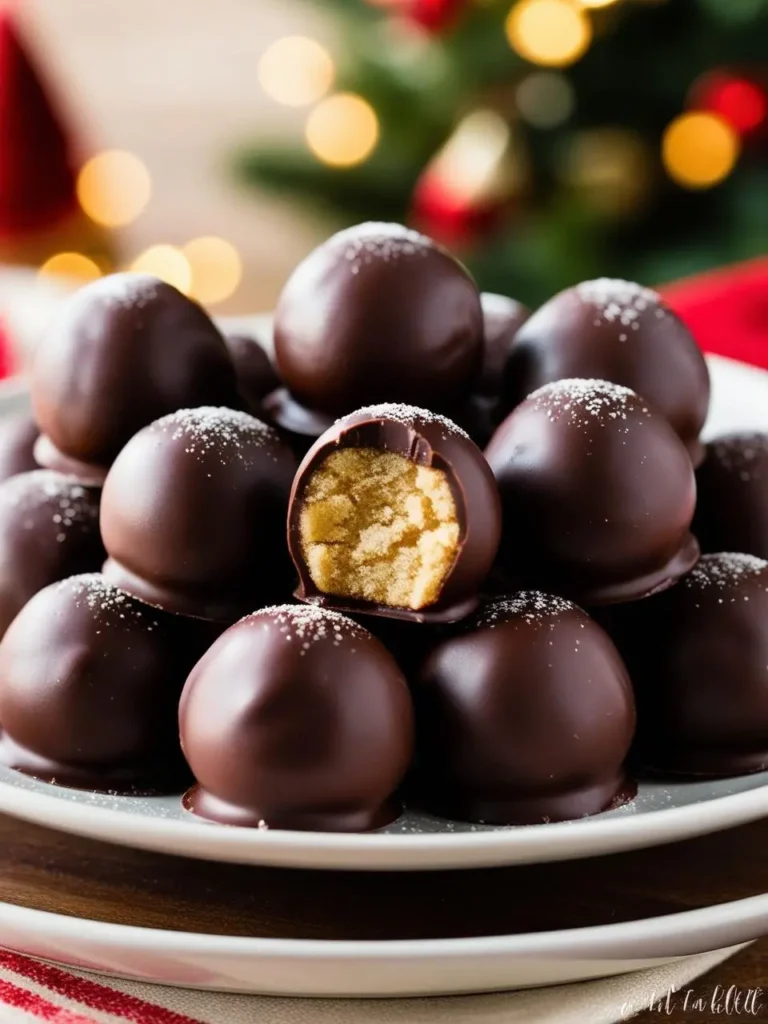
<point x="256" y="376"/>
<point x="298" y="426"/>
<point x="89" y="687"/>
<point x="193" y="514"/>
<point x="698" y="659"/>
<point x="502" y="319"/>
<point x="597" y="491"/>
<point x="427" y="440"/>
<point x="617" y="331"/>
<point x="18" y="434"/>
<point x="378" y="313"/>
<point x="524" y="715"/>
<point x="297" y="718"/>
<point x="732" y="506"/>
<point x="125" y="350"/>
<point x="49" y="529"/>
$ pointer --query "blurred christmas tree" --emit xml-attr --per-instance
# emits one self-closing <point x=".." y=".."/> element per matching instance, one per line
<point x="545" y="140"/>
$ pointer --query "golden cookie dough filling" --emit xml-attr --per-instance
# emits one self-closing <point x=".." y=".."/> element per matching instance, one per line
<point x="377" y="527"/>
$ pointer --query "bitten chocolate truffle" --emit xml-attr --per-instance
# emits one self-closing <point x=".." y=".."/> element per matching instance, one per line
<point x="617" y="331"/>
<point x="525" y="714"/>
<point x="18" y="435"/>
<point x="193" y="514"/>
<point x="597" y="491"/>
<point x="89" y="688"/>
<point x="378" y="313"/>
<point x="732" y="507"/>
<point x="256" y="376"/>
<point x="49" y="529"/>
<point x="394" y="512"/>
<point x="126" y="350"/>
<point x="698" y="658"/>
<point x="297" y="718"/>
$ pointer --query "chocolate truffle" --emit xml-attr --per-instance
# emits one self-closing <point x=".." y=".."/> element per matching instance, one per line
<point x="49" y="529"/>
<point x="394" y="512"/>
<point x="479" y="413"/>
<point x="193" y="514"/>
<point x="299" y="426"/>
<point x="732" y="507"/>
<point x="698" y="658"/>
<point x="18" y="434"/>
<point x="502" y="319"/>
<point x="525" y="714"/>
<point x="297" y="718"/>
<point x="89" y="688"/>
<point x="378" y="313"/>
<point x="125" y="350"/>
<point x="621" y="332"/>
<point x="256" y="376"/>
<point x="597" y="491"/>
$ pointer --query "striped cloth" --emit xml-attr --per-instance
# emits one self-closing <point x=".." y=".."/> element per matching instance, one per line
<point x="32" y="991"/>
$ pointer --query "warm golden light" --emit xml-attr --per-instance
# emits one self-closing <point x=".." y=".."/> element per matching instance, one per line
<point x="113" y="188"/>
<point x="699" y="149"/>
<point x="343" y="130"/>
<point x="554" y="33"/>
<point x="71" y="264"/>
<point x="296" y="71"/>
<point x="545" y="99"/>
<point x="216" y="269"/>
<point x="597" y="3"/>
<point x="166" y="262"/>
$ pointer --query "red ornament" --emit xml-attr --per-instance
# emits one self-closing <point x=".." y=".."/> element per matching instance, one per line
<point x="449" y="218"/>
<point x="37" y="169"/>
<point x="432" y="15"/>
<point x="739" y="99"/>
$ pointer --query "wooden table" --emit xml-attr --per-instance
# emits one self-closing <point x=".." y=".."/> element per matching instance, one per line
<point x="53" y="871"/>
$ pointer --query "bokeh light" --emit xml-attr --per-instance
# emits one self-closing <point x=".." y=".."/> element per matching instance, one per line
<point x="296" y="71"/>
<point x="216" y="269"/>
<point x="597" y="3"/>
<point x="71" y="264"/>
<point x="699" y="149"/>
<point x="343" y="130"/>
<point x="554" y="33"/>
<point x="742" y="103"/>
<point x="545" y="99"/>
<point x="611" y="168"/>
<point x="166" y="262"/>
<point x="113" y="188"/>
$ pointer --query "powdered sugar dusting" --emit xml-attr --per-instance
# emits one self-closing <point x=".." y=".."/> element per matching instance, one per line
<point x="308" y="624"/>
<point x="71" y="505"/>
<point x="534" y="606"/>
<point x="409" y="416"/>
<point x="745" y="454"/>
<point x="372" y="242"/>
<point x="724" y="571"/>
<point x="208" y="428"/>
<point x="132" y="291"/>
<point x="620" y="302"/>
<point x="109" y="604"/>
<point x="581" y="400"/>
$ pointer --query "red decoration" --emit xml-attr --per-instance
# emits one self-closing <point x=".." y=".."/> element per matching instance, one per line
<point x="448" y="217"/>
<point x="727" y="310"/>
<point x="432" y="15"/>
<point x="737" y="98"/>
<point x="37" y="175"/>
<point x="8" y="362"/>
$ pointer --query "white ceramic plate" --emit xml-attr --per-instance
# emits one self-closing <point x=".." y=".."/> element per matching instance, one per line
<point x="661" y="813"/>
<point x="405" y="968"/>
